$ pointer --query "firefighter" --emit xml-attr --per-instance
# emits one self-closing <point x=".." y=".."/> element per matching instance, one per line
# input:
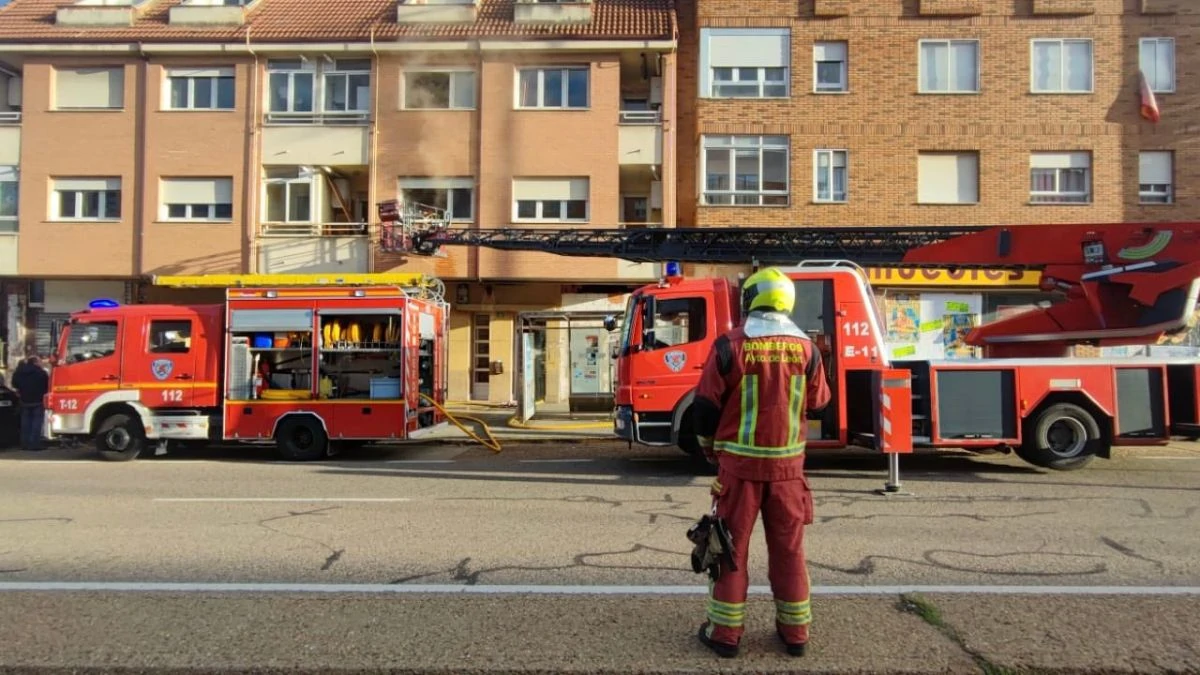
<point x="757" y="384"/>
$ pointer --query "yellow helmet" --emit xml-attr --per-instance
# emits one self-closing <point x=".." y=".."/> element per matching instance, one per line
<point x="768" y="290"/>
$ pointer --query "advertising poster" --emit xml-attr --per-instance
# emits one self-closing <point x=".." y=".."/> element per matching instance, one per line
<point x="931" y="325"/>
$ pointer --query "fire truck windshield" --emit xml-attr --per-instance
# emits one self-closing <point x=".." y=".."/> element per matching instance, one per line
<point x="627" y="322"/>
<point x="88" y="341"/>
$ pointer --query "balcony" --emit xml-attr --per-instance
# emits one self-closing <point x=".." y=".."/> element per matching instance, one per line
<point x="951" y="7"/>
<point x="10" y="138"/>
<point x="316" y="145"/>
<point x="210" y="12"/>
<point x="436" y="11"/>
<point x="314" y="220"/>
<point x="101" y="12"/>
<point x="282" y="254"/>
<point x="552" y="11"/>
<point x="1064" y="7"/>
<point x="8" y="248"/>
<point x="640" y="137"/>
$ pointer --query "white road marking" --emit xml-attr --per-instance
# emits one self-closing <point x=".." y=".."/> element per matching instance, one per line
<point x="419" y="461"/>
<point x="210" y="587"/>
<point x="553" y="461"/>
<point x="282" y="499"/>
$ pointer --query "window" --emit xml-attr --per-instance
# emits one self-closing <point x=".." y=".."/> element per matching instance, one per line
<point x="949" y="66"/>
<point x="829" y="175"/>
<point x="170" y="337"/>
<point x="10" y="188"/>
<point x="1156" y="170"/>
<point x="552" y="87"/>
<point x="453" y="90"/>
<point x="550" y="199"/>
<point x="1156" y="57"/>
<point x="89" y="88"/>
<point x="86" y="199"/>
<point x="679" y="321"/>
<point x="745" y="62"/>
<point x="948" y="178"/>
<point x="745" y="170"/>
<point x="1060" y="177"/>
<point x="291" y="85"/>
<point x="348" y="85"/>
<point x="830" y="72"/>
<point x="90" y="341"/>
<point x="1062" y="66"/>
<point x="199" y="89"/>
<point x="452" y="196"/>
<point x="196" y="199"/>
<point x="289" y="194"/>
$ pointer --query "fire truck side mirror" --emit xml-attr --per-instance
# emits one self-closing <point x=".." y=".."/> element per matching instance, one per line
<point x="610" y="323"/>
<point x="648" y="311"/>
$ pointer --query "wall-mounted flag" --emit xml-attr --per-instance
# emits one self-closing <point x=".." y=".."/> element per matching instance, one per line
<point x="1149" y="104"/>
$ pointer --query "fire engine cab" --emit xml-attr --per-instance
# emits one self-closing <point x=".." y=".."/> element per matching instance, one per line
<point x="311" y="368"/>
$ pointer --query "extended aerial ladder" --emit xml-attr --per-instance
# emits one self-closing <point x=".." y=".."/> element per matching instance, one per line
<point x="1124" y="283"/>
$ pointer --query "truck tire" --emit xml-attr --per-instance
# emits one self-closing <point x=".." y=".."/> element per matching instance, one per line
<point x="301" y="439"/>
<point x="120" y="438"/>
<point x="685" y="437"/>
<point x="1061" y="437"/>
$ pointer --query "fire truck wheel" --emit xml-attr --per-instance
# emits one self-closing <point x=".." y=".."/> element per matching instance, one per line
<point x="301" y="439"/>
<point x="1061" y="437"/>
<point x="120" y="438"/>
<point x="686" y="438"/>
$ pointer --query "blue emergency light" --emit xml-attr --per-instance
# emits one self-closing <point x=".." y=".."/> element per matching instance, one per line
<point x="673" y="270"/>
<point x="103" y="303"/>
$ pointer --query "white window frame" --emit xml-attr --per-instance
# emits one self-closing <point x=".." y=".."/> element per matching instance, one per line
<point x="1062" y="44"/>
<point x="832" y="154"/>
<point x="441" y="184"/>
<point x="951" y="80"/>
<point x="190" y="76"/>
<point x="844" y="84"/>
<point x="541" y="87"/>
<point x="11" y="174"/>
<point x="1150" y="69"/>
<point x="756" y="65"/>
<point x="1057" y="196"/>
<point x="102" y="188"/>
<point x="540" y="204"/>
<point x="332" y="71"/>
<point x="958" y="156"/>
<point x="119" y="70"/>
<point x="192" y="211"/>
<point x="456" y="76"/>
<point x="306" y="67"/>
<point x="733" y="143"/>
<point x="1156" y="192"/>
<point x="305" y="176"/>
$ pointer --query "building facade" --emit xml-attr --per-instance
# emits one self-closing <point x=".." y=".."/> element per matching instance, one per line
<point x="938" y="112"/>
<point x="141" y="138"/>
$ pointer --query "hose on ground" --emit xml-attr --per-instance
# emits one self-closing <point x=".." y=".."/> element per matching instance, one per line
<point x="490" y="442"/>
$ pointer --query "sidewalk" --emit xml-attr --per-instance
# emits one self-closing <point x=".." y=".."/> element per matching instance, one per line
<point x="140" y="632"/>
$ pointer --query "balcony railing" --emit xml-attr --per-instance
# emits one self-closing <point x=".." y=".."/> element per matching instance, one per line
<point x="351" y="118"/>
<point x="8" y="225"/>
<point x="10" y="117"/>
<point x="314" y="230"/>
<point x="639" y="117"/>
<point x="638" y="225"/>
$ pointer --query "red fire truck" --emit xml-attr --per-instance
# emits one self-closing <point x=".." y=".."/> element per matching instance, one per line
<point x="310" y="368"/>
<point x="1121" y="284"/>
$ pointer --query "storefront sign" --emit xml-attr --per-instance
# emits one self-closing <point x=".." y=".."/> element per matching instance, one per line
<point x="965" y="278"/>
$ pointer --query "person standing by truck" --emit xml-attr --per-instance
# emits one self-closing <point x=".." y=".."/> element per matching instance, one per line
<point x="32" y="382"/>
<point x="755" y="388"/>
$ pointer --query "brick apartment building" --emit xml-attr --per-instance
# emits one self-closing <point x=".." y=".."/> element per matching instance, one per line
<point x="923" y="112"/>
<point x="187" y="137"/>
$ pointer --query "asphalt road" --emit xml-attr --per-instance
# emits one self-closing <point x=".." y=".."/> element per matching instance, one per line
<point x="415" y="527"/>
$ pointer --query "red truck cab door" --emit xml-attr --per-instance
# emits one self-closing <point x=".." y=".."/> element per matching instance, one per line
<point x="165" y="362"/>
<point x="86" y="366"/>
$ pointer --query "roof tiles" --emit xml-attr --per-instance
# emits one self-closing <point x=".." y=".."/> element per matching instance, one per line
<point x="32" y="21"/>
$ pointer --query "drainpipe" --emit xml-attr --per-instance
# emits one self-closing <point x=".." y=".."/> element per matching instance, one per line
<point x="139" y="165"/>
<point x="250" y="177"/>
<point x="372" y="148"/>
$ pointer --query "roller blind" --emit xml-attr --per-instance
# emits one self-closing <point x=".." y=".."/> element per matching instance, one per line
<point x="200" y="72"/>
<point x="948" y="178"/>
<point x="197" y="190"/>
<point x="65" y="184"/>
<point x="829" y="51"/>
<point x="1154" y="167"/>
<point x="550" y="188"/>
<point x="761" y="48"/>
<point x="89" y="87"/>
<point x="1060" y="160"/>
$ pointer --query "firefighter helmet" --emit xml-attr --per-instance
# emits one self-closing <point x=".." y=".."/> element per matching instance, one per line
<point x="768" y="290"/>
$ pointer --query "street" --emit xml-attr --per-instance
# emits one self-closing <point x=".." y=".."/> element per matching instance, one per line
<point x="571" y="557"/>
